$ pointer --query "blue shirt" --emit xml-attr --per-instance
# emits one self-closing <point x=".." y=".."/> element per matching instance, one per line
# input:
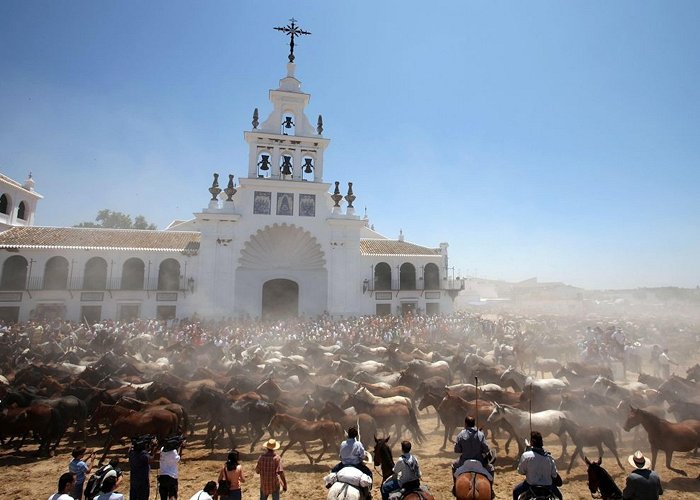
<point x="79" y="469"/>
<point x="539" y="469"/>
<point x="351" y="452"/>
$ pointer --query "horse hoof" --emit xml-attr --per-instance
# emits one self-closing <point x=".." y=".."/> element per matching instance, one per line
<point x="683" y="473"/>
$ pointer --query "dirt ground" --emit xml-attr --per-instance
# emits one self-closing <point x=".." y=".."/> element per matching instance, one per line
<point x="23" y="475"/>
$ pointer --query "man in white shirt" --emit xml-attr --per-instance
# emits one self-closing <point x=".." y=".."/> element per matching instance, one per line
<point x="65" y="485"/>
<point x="169" y="460"/>
<point x="206" y="493"/>
<point x="539" y="468"/>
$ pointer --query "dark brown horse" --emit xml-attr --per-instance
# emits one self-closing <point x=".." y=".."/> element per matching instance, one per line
<point x="365" y="424"/>
<point x="665" y="435"/>
<point x="589" y="436"/>
<point x="302" y="431"/>
<point x="599" y="481"/>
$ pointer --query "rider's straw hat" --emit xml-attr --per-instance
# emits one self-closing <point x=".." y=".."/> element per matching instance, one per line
<point x="639" y="461"/>
<point x="272" y="444"/>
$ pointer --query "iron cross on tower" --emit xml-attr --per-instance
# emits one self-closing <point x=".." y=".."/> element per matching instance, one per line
<point x="292" y="30"/>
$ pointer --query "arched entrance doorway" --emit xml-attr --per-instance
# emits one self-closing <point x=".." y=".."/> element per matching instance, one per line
<point x="280" y="299"/>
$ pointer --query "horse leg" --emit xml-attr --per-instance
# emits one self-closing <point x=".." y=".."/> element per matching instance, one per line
<point x="291" y="442"/>
<point x="303" y="448"/>
<point x="613" y="449"/>
<point x="563" y="439"/>
<point x="444" y="440"/>
<point x="325" y="447"/>
<point x="108" y="445"/>
<point x="669" y="455"/>
<point x="573" y="457"/>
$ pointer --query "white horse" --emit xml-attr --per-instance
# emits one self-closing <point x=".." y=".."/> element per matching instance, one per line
<point x="522" y="381"/>
<point x="370" y="367"/>
<point x="343" y="491"/>
<point x="545" y="422"/>
<point x="342" y="385"/>
<point x="365" y="395"/>
<point x="549" y="365"/>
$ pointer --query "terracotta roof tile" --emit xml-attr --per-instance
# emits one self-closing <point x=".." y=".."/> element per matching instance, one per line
<point x="393" y="247"/>
<point x="99" y="239"/>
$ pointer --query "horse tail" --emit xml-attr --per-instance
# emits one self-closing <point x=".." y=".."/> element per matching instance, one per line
<point x="414" y="426"/>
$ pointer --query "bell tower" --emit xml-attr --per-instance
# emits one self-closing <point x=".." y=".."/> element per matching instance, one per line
<point x="286" y="146"/>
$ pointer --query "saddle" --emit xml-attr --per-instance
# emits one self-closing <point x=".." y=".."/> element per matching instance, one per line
<point x="538" y="493"/>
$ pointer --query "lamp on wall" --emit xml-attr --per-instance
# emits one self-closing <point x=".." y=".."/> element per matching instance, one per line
<point x="190" y="284"/>
<point x="365" y="285"/>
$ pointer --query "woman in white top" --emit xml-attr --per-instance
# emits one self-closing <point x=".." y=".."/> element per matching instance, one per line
<point x="206" y="493"/>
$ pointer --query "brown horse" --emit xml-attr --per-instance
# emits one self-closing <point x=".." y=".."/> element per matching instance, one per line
<point x="665" y="435"/>
<point x="301" y="431"/>
<point x="161" y="423"/>
<point x="385" y="460"/>
<point x="365" y="424"/>
<point x="452" y="410"/>
<point x="385" y="416"/>
<point x="472" y="486"/>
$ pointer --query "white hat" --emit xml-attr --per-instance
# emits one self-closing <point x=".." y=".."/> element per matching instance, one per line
<point x="639" y="461"/>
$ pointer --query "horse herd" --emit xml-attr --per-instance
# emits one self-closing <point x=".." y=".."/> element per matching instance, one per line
<point x="312" y="393"/>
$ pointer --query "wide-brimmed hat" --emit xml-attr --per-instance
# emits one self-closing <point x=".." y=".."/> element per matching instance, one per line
<point x="638" y="460"/>
<point x="272" y="444"/>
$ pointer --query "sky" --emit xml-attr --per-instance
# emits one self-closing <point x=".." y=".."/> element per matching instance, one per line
<point x="557" y="140"/>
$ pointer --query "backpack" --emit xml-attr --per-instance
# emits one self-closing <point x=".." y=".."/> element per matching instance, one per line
<point x="94" y="484"/>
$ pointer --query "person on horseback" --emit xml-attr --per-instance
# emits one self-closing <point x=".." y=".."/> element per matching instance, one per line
<point x="642" y="481"/>
<point x="406" y="475"/>
<point x="538" y="467"/>
<point x="471" y="445"/>
<point x="352" y="454"/>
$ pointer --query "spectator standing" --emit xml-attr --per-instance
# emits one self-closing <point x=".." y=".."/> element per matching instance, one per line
<point x="169" y="462"/>
<point x="80" y="469"/>
<point x="232" y="472"/>
<point x="65" y="486"/>
<point x="271" y="472"/>
<point x="140" y="466"/>
<point x="665" y="362"/>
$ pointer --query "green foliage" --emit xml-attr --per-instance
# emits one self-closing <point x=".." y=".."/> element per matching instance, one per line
<point x="117" y="220"/>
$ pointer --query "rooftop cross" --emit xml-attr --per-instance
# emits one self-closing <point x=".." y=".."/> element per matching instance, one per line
<point x="292" y="30"/>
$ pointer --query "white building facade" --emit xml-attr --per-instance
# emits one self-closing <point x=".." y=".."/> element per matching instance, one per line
<point x="281" y="243"/>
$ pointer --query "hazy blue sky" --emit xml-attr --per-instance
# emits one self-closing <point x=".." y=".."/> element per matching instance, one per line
<point x="539" y="138"/>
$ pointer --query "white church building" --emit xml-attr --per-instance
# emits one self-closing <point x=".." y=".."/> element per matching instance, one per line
<point x="283" y="242"/>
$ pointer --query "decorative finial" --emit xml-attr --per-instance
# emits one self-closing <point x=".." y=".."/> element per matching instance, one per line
<point x="319" y="125"/>
<point x="336" y="197"/>
<point x="292" y="30"/>
<point x="256" y="122"/>
<point x="350" y="196"/>
<point x="365" y="216"/>
<point x="400" y="234"/>
<point x="215" y="189"/>
<point x="230" y="190"/>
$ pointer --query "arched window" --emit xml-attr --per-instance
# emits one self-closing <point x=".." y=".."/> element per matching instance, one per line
<point x="308" y="168"/>
<point x="431" y="277"/>
<point x="4" y="204"/>
<point x="286" y="168"/>
<point x="21" y="209"/>
<point x="169" y="275"/>
<point x="56" y="273"/>
<point x="14" y="273"/>
<point x="95" y="274"/>
<point x="132" y="274"/>
<point x="382" y="276"/>
<point x="407" y="276"/>
<point x="264" y="164"/>
<point x="288" y="124"/>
